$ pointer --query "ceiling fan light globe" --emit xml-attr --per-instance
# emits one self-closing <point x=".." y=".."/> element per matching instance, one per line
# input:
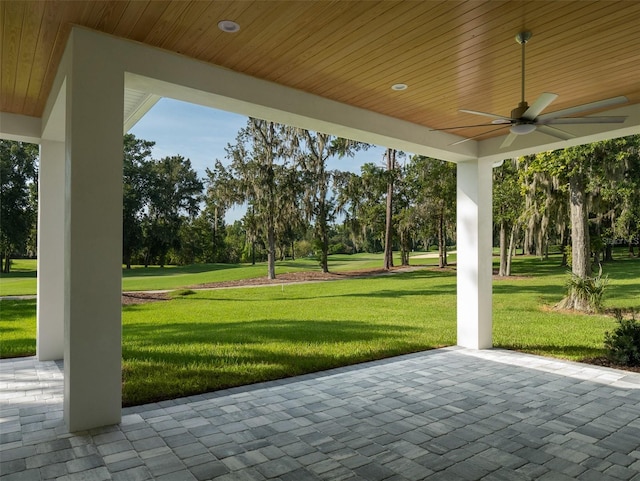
<point x="522" y="129"/>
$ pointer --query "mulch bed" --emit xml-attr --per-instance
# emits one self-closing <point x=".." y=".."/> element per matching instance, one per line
<point x="129" y="298"/>
<point x="293" y="277"/>
<point x="604" y="362"/>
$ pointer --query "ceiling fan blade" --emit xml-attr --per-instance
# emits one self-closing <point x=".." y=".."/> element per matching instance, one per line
<point x="552" y="131"/>
<point x="486" y="114"/>
<point x="463" y="127"/>
<point x="583" y="108"/>
<point x="539" y="105"/>
<point x="586" y="120"/>
<point x="479" y="135"/>
<point x="509" y="140"/>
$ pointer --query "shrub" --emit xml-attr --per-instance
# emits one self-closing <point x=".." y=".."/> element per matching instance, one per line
<point x="623" y="344"/>
<point x="182" y="292"/>
<point x="587" y="290"/>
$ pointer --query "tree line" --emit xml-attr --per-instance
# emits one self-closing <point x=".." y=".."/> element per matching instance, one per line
<point x="295" y="205"/>
<point x="583" y="199"/>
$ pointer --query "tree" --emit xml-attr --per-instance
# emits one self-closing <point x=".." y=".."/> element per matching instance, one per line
<point x="579" y="167"/>
<point x="255" y="157"/>
<point x="174" y="190"/>
<point x="372" y="206"/>
<point x="221" y="194"/>
<point x="291" y="221"/>
<point x="626" y="224"/>
<point x="615" y="198"/>
<point x="18" y="175"/>
<point x="433" y="182"/>
<point x="507" y="208"/>
<point x="317" y="180"/>
<point x="349" y="194"/>
<point x="546" y="209"/>
<point x="136" y="184"/>
<point x="391" y="173"/>
<point x="195" y="244"/>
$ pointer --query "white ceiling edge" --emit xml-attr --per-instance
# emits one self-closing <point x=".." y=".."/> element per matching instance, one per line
<point x="136" y="105"/>
<point x="311" y="112"/>
<point x="21" y="128"/>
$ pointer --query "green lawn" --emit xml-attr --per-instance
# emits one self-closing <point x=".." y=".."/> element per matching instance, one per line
<point x="17" y="328"/>
<point x="229" y="337"/>
<point x="22" y="279"/>
<point x="214" y="339"/>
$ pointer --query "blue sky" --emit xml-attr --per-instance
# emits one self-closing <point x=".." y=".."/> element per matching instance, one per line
<point x="202" y="133"/>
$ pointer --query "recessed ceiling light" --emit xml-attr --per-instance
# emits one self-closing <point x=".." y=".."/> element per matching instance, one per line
<point x="399" y="87"/>
<point x="228" y="26"/>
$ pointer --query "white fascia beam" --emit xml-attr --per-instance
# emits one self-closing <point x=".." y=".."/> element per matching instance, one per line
<point x="241" y="94"/>
<point x="133" y="117"/>
<point x="21" y="128"/>
<point x="536" y="142"/>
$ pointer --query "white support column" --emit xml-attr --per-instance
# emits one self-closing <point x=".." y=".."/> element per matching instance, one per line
<point x="474" y="246"/>
<point x="50" y="312"/>
<point x="93" y="241"/>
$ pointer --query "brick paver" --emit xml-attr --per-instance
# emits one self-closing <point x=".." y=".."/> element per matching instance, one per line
<point x="443" y="414"/>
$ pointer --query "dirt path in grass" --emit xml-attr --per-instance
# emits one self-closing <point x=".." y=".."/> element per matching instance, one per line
<point x="142" y="297"/>
<point x="281" y="279"/>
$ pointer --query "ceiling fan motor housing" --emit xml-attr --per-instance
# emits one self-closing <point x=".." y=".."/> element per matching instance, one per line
<point x="519" y="111"/>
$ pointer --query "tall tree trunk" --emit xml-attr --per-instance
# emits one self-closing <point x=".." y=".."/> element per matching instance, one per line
<point x="404" y="257"/>
<point x="580" y="246"/>
<point x="565" y="242"/>
<point x="512" y="237"/>
<point x="271" y="251"/>
<point x="325" y="251"/>
<point x="388" y="234"/>
<point x="6" y="267"/>
<point x="503" y="250"/>
<point x="608" y="252"/>
<point x="546" y="248"/>
<point x="631" y="252"/>
<point x="324" y="237"/>
<point x="540" y="243"/>
<point x="580" y="249"/>
<point x="404" y="248"/>
<point x="293" y="251"/>
<point x="215" y="234"/>
<point x="442" y="242"/>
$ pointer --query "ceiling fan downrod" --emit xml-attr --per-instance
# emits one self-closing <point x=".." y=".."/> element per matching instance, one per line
<point x="522" y="38"/>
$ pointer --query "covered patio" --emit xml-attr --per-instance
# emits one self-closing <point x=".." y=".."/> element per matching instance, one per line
<point x="450" y="414"/>
<point x="76" y="74"/>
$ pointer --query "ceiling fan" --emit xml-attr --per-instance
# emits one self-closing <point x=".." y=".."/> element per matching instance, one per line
<point x="526" y="118"/>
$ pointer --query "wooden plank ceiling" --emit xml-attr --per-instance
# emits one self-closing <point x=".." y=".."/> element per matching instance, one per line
<point x="451" y="54"/>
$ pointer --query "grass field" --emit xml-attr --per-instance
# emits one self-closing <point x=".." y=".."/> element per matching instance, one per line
<point x="22" y="279"/>
<point x="213" y="339"/>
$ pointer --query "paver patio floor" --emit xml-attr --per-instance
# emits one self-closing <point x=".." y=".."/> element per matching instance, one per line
<point x="444" y="414"/>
